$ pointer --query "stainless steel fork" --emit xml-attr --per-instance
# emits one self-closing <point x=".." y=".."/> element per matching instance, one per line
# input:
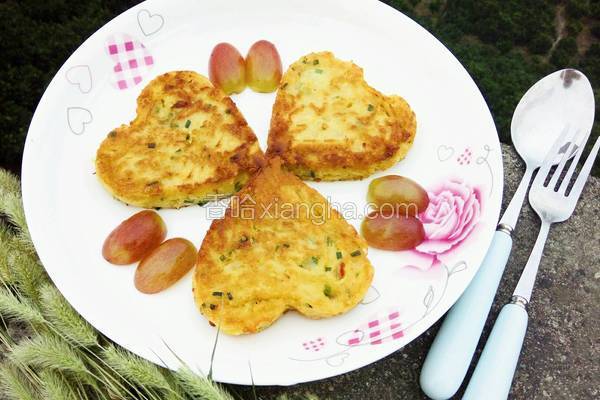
<point x="493" y="375"/>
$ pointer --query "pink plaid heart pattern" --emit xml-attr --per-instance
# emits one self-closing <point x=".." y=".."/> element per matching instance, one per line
<point x="132" y="60"/>
<point x="381" y="328"/>
<point x="314" y="345"/>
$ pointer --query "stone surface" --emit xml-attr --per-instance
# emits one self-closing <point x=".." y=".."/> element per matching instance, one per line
<point x="561" y="351"/>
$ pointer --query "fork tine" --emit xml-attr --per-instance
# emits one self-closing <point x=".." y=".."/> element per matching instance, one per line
<point x="549" y="160"/>
<point x="585" y="172"/>
<point x="567" y="179"/>
<point x="563" y="160"/>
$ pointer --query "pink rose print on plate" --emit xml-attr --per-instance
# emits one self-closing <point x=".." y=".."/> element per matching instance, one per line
<point x="314" y="345"/>
<point x="132" y="60"/>
<point x="383" y="327"/>
<point x="453" y="212"/>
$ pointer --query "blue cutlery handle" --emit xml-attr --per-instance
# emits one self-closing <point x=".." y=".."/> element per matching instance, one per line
<point x="495" y="370"/>
<point x="450" y="354"/>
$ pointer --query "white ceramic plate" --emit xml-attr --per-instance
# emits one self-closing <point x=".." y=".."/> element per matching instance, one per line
<point x="456" y="156"/>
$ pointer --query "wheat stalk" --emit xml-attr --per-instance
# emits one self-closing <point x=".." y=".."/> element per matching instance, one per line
<point x="201" y="387"/>
<point x="6" y="236"/>
<point x="28" y="277"/>
<point x="11" y="205"/>
<point x="65" y="319"/>
<point x="116" y="386"/>
<point x="46" y="351"/>
<point x="22" y="267"/>
<point x="56" y="387"/>
<point x="136" y="369"/>
<point x="19" y="310"/>
<point x="14" y="385"/>
<point x="9" y="183"/>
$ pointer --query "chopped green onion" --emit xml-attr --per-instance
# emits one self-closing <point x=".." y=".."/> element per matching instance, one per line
<point x="338" y="255"/>
<point x="188" y="123"/>
<point x="319" y="71"/>
<point x="229" y="296"/>
<point x="370" y="108"/>
<point x="355" y="253"/>
<point x="217" y="294"/>
<point x="151" y="145"/>
<point x="327" y="269"/>
<point x="316" y="62"/>
<point x="315" y="259"/>
<point x="327" y="291"/>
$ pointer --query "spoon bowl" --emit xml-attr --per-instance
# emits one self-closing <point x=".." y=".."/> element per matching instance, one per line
<point x="563" y="100"/>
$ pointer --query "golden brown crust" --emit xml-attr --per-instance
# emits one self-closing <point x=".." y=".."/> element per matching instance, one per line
<point x="329" y="124"/>
<point x="187" y="144"/>
<point x="300" y="254"/>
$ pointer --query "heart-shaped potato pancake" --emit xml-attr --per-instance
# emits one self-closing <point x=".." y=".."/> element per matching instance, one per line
<point x="329" y="124"/>
<point x="188" y="144"/>
<point x="280" y="246"/>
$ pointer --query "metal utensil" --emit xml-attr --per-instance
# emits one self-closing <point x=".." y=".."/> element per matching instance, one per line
<point x="495" y="370"/>
<point x="561" y="100"/>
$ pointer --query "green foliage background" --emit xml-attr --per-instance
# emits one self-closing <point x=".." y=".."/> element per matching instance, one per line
<point x="506" y="45"/>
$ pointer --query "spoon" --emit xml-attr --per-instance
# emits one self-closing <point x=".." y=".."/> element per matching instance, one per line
<point x="563" y="100"/>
